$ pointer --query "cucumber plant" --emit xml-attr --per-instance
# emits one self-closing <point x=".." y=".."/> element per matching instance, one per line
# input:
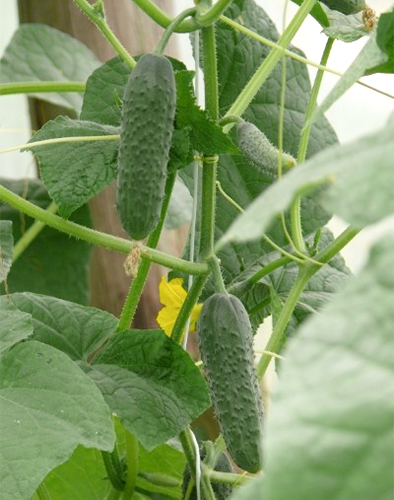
<point x="90" y="404"/>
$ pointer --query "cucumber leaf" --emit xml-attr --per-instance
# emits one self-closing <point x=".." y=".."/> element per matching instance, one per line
<point x="49" y="405"/>
<point x="15" y="325"/>
<point x="53" y="264"/>
<point x="151" y="383"/>
<point x="76" y="330"/>
<point x="53" y="56"/>
<point x="6" y="248"/>
<point x="330" y="429"/>
<point x="73" y="172"/>
<point x="345" y="28"/>
<point x="81" y="477"/>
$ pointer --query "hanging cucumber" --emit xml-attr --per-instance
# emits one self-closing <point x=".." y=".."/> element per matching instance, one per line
<point x="345" y="6"/>
<point x="226" y="344"/>
<point x="146" y="131"/>
<point x="259" y="150"/>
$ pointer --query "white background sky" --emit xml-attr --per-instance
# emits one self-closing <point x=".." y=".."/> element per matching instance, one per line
<point x="357" y="113"/>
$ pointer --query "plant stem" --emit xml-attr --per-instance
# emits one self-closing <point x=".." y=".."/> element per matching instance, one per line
<point x="137" y="286"/>
<point x="211" y="15"/>
<point x="295" y="210"/>
<point x="305" y="133"/>
<point x="161" y="18"/>
<point x="132" y="454"/>
<point x="225" y="477"/>
<point x="97" y="238"/>
<point x="98" y="18"/>
<point x="38" y="144"/>
<point x="113" y="495"/>
<point x="265" y="69"/>
<point x="42" y="492"/>
<point x="29" y="87"/>
<point x="208" y="198"/>
<point x="188" y="449"/>
<point x="33" y="231"/>
<point x="172" y="27"/>
<point x="277" y="337"/>
<point x="278" y="333"/>
<point x="187" y="307"/>
<point x="214" y="263"/>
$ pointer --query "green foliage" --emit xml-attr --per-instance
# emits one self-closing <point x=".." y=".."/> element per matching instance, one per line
<point x="50" y="406"/>
<point x="76" y="330"/>
<point x="52" y="264"/>
<point x="63" y="166"/>
<point x="15" y="325"/>
<point x="74" y="382"/>
<point x="226" y="344"/>
<point x="49" y="59"/>
<point x="147" y="379"/>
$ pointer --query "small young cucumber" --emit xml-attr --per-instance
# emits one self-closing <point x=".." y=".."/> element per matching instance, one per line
<point x="222" y="491"/>
<point x="259" y="150"/>
<point x="345" y="6"/>
<point x="225" y="340"/>
<point x="145" y="139"/>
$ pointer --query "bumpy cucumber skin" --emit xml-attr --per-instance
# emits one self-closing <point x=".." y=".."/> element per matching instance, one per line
<point x="146" y="131"/>
<point x="345" y="6"/>
<point x="259" y="150"/>
<point x="225" y="340"/>
<point x="222" y="491"/>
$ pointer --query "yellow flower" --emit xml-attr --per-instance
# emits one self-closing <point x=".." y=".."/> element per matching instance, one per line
<point x="172" y="295"/>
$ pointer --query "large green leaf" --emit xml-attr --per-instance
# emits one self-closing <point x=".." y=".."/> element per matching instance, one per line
<point x="360" y="177"/>
<point x="151" y="383"/>
<point x="6" y="248"/>
<point x="82" y="477"/>
<point x="238" y="58"/>
<point x="74" y="172"/>
<point x="48" y="407"/>
<point x="52" y="56"/>
<point x="76" y="330"/>
<point x="330" y="431"/>
<point x="15" y="325"/>
<point x="53" y="264"/>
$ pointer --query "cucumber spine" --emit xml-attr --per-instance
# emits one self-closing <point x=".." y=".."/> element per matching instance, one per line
<point x="147" y="126"/>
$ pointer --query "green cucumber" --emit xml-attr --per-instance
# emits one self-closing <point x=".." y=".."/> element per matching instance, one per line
<point x="345" y="6"/>
<point x="147" y="126"/>
<point x="260" y="151"/>
<point x="222" y="491"/>
<point x="225" y="340"/>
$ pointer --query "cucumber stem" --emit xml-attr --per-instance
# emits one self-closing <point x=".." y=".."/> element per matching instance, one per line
<point x="171" y="28"/>
<point x="30" y="87"/>
<point x="98" y="18"/>
<point x="137" y="286"/>
<point x="295" y="209"/>
<point x="132" y="455"/>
